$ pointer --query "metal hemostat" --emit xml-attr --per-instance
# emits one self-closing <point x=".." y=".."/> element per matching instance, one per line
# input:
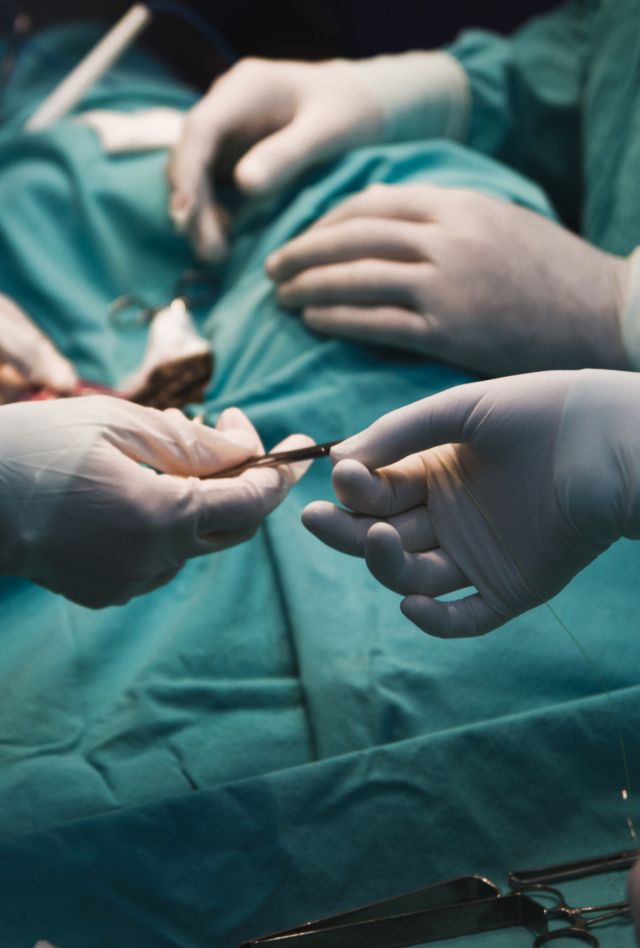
<point x="459" y="907"/>
<point x="470" y="905"/>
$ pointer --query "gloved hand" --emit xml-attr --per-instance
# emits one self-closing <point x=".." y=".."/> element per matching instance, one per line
<point x="81" y="516"/>
<point x="27" y="357"/>
<point x="458" y="276"/>
<point x="511" y="485"/>
<point x="268" y="121"/>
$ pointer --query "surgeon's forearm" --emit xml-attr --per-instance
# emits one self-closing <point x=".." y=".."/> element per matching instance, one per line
<point x="526" y="93"/>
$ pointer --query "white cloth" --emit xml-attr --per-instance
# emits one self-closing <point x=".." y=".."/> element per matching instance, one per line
<point x="172" y="337"/>
<point x="142" y="130"/>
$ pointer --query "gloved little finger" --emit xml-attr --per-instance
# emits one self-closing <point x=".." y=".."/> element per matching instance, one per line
<point x="347" y="532"/>
<point x="382" y="493"/>
<point x="380" y="325"/>
<point x="426" y="574"/>
<point x="225" y="539"/>
<point x="349" y="240"/>
<point x="462" y="618"/>
<point x="161" y="580"/>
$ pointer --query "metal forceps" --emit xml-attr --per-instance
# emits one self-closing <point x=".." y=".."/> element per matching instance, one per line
<point x="194" y="288"/>
<point x="275" y="458"/>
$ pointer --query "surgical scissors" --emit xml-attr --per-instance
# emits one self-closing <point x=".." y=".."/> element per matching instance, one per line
<point x="470" y="905"/>
<point x="578" y="923"/>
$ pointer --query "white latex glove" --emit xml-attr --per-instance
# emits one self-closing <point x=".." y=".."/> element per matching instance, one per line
<point x="511" y="485"/>
<point x="27" y="357"/>
<point x="268" y="121"/>
<point x="458" y="276"/>
<point x="81" y="516"/>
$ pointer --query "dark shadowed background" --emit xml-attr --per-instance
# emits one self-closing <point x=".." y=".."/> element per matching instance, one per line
<point x="309" y="29"/>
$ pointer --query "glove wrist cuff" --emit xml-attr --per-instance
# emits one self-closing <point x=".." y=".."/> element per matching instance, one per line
<point x="422" y="95"/>
<point x="597" y="469"/>
<point x="630" y="313"/>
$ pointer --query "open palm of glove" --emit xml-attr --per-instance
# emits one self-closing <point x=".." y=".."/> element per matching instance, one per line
<point x="459" y="276"/>
<point x="265" y="121"/>
<point x="81" y="515"/>
<point x="510" y="486"/>
<point x="27" y="357"/>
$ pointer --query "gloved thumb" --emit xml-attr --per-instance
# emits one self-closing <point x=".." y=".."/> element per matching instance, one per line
<point x="439" y="419"/>
<point x="276" y="160"/>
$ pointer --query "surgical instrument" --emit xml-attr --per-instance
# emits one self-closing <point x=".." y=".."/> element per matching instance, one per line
<point x="449" y="909"/>
<point x="463" y="907"/>
<point x="194" y="287"/>
<point x="275" y="458"/>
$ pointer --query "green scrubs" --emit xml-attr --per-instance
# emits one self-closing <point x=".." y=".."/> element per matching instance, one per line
<point x="267" y="740"/>
<point x="560" y="101"/>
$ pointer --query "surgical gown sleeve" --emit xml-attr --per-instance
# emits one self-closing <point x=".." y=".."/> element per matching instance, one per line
<point x="526" y="93"/>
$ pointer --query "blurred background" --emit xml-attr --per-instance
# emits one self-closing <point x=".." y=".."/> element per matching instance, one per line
<point x="191" y="37"/>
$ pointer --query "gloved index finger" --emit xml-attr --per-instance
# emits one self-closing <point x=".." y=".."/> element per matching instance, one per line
<point x="384" y="492"/>
<point x="440" y="419"/>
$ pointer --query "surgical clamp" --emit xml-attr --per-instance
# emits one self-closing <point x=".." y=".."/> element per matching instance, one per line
<point x="463" y="907"/>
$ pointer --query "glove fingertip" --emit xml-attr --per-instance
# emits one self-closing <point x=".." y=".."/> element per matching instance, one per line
<point x="315" y="514"/>
<point x="233" y="417"/>
<point x="208" y="235"/>
<point x="350" y="475"/>
<point x="416" y="610"/>
<point x="56" y="373"/>
<point x="251" y="176"/>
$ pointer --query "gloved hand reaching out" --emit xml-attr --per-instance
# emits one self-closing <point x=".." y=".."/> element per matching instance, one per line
<point x="268" y="121"/>
<point x="27" y="357"/>
<point x="512" y="486"/>
<point x="458" y="276"/>
<point x="81" y="516"/>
